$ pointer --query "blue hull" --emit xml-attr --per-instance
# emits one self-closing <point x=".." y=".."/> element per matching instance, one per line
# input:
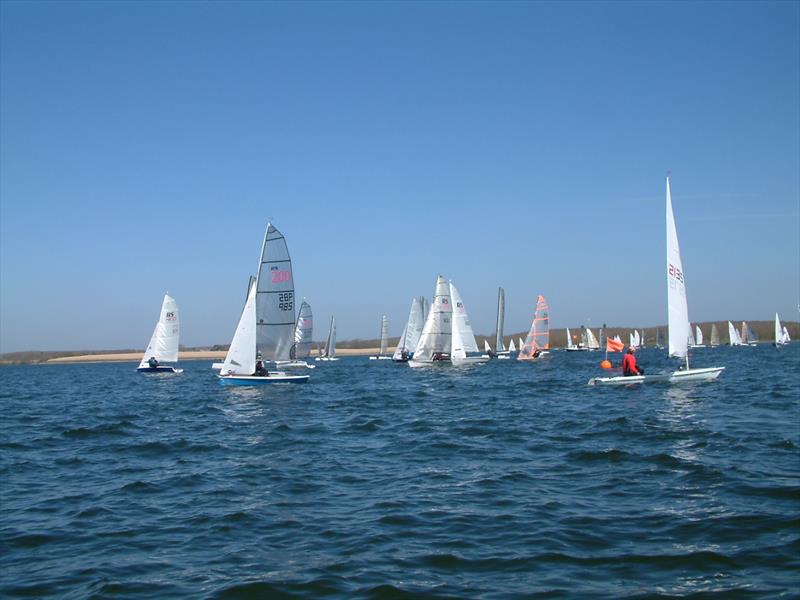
<point x="158" y="369"/>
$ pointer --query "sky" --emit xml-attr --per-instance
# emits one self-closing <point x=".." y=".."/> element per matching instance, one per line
<point x="144" y="146"/>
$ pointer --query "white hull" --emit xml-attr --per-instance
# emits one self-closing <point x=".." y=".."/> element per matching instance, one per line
<point x="503" y="357"/>
<point x="380" y="357"/>
<point x="469" y="360"/>
<point x="577" y="349"/>
<point x="294" y="364"/>
<point x="429" y="363"/>
<point x="273" y="377"/>
<point x="686" y="375"/>
<point x="326" y="358"/>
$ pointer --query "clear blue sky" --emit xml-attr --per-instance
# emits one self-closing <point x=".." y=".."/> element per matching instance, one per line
<point x="144" y="146"/>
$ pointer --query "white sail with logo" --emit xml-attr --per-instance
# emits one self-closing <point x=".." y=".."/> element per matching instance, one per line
<point x="303" y="331"/>
<point x="275" y="316"/>
<point x="463" y="337"/>
<point x="437" y="333"/>
<point x="163" y="344"/>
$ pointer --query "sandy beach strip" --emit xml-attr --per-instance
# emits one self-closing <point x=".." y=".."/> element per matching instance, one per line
<point x="215" y="355"/>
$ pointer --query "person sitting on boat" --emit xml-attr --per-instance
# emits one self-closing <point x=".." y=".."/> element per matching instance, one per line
<point x="629" y="368"/>
<point x="404" y="355"/>
<point x="261" y="371"/>
<point x="152" y="362"/>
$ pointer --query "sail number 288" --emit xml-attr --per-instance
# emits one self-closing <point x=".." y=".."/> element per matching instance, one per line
<point x="286" y="301"/>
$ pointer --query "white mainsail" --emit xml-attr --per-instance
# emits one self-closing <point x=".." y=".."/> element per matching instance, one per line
<point x="501" y="312"/>
<point x="163" y="344"/>
<point x="437" y="332"/>
<point x="521" y="343"/>
<point x="570" y="345"/>
<point x="241" y="356"/>
<point x="698" y="335"/>
<point x="678" y="309"/>
<point x="691" y="337"/>
<point x="412" y="330"/>
<point x="786" y="339"/>
<point x="714" y="341"/>
<point x="463" y="337"/>
<point x="303" y="331"/>
<point x="511" y="346"/>
<point x="734" y="339"/>
<point x="275" y="320"/>
<point x="591" y="341"/>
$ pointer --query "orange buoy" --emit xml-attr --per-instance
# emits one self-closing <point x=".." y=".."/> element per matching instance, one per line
<point x="606" y="364"/>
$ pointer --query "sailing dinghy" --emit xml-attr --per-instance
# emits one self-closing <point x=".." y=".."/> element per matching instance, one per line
<point x="434" y="345"/>
<point x="538" y="340"/>
<point x="384" y="346"/>
<point x="464" y="347"/>
<point x="265" y="332"/>
<point x="304" y="329"/>
<point x="411" y="332"/>
<point x="678" y="320"/>
<point x="329" y="353"/>
<point x="163" y="346"/>
<point x="500" y="348"/>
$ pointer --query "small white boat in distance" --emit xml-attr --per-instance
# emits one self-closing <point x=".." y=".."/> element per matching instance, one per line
<point x="411" y="332"/>
<point x="384" y="345"/>
<point x="266" y="326"/>
<point x="572" y="346"/>
<point x="678" y="320"/>
<point x="163" y="345"/>
<point x="329" y="354"/>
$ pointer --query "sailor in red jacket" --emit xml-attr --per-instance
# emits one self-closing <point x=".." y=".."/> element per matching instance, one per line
<point x="629" y="367"/>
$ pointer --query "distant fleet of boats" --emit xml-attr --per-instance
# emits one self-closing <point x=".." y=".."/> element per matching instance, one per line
<point x="272" y="342"/>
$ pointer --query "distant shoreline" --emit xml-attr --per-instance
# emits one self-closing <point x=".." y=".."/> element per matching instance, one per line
<point x="215" y="355"/>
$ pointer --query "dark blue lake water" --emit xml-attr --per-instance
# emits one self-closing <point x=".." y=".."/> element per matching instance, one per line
<point x="380" y="481"/>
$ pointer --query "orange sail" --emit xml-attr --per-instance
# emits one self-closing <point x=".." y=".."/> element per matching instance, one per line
<point x="613" y="345"/>
<point x="539" y="336"/>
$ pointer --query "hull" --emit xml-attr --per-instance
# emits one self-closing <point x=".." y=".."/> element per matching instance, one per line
<point x="469" y="360"/>
<point x="687" y="375"/>
<point x="325" y="358"/>
<point x="432" y="363"/>
<point x="274" y="377"/>
<point x="576" y="349"/>
<point x="159" y="369"/>
<point x="294" y="364"/>
<point x="381" y="357"/>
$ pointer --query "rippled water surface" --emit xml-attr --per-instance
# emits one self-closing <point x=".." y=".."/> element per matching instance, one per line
<point x="380" y="481"/>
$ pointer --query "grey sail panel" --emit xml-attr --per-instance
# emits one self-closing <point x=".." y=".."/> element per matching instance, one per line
<point x="303" y="331"/>
<point x="275" y="315"/>
<point x="501" y="315"/>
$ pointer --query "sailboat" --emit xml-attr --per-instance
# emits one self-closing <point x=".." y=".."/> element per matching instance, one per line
<point x="538" y="340"/>
<point x="779" y="339"/>
<point x="163" y="346"/>
<point x="734" y="339"/>
<point x="411" y="332"/>
<point x="786" y="338"/>
<point x="435" y="342"/>
<point x="591" y="341"/>
<point x="696" y="340"/>
<point x="749" y="338"/>
<point x="659" y="344"/>
<point x="464" y="347"/>
<point x="521" y="343"/>
<point x="500" y="348"/>
<point x="572" y="346"/>
<point x="714" y="341"/>
<point x="303" y="331"/>
<point x="265" y="332"/>
<point x="678" y="319"/>
<point x="384" y="347"/>
<point x="329" y="353"/>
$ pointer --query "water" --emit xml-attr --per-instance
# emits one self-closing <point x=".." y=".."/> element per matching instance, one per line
<point x="380" y="481"/>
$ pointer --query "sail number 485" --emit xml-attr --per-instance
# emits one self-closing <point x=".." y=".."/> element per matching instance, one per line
<point x="286" y="300"/>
